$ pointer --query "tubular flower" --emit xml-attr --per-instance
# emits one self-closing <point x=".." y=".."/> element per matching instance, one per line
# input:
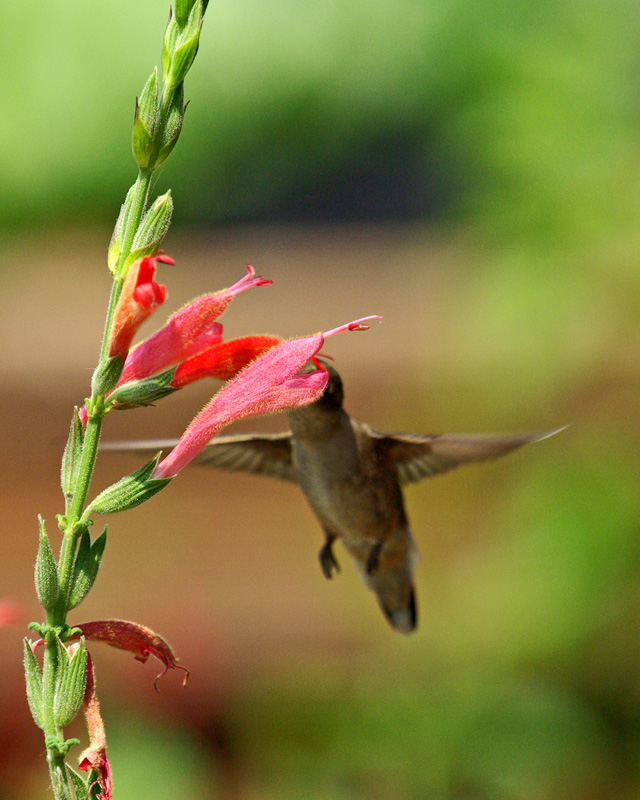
<point x="135" y="638"/>
<point x="268" y="384"/>
<point x="139" y="298"/>
<point x="188" y="332"/>
<point x="224" y="360"/>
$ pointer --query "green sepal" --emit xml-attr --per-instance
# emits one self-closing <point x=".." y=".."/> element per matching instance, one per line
<point x="145" y="121"/>
<point x="183" y="8"/>
<point x="86" y="566"/>
<point x="130" y="491"/>
<point x="143" y="393"/>
<point x="71" y="457"/>
<point x="46" y="571"/>
<point x="172" y="126"/>
<point x="185" y="47"/>
<point x="80" y="786"/>
<point x="33" y="680"/>
<point x="115" y="246"/>
<point x="71" y="680"/>
<point x="106" y="375"/>
<point x="169" y="44"/>
<point x="153" y="227"/>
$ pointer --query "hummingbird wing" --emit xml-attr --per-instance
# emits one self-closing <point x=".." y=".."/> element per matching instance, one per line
<point x="417" y="456"/>
<point x="257" y="453"/>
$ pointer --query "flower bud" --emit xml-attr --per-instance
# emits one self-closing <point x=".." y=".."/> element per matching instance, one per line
<point x="115" y="245"/>
<point x="70" y="683"/>
<point x="173" y="125"/>
<point x="184" y="47"/>
<point x="130" y="491"/>
<point x="145" y="121"/>
<point x="46" y="572"/>
<point x="153" y="226"/>
<point x="71" y="457"/>
<point x="33" y="679"/>
<point x="169" y="44"/>
<point x="86" y="566"/>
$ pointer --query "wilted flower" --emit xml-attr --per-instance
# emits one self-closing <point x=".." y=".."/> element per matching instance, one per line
<point x="95" y="756"/>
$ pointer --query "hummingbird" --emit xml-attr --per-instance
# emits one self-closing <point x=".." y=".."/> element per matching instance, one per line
<point x="352" y="477"/>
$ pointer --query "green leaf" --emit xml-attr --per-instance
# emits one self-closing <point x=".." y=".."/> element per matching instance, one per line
<point x="33" y="680"/>
<point x="86" y="566"/>
<point x="46" y="571"/>
<point x="71" y="680"/>
<point x="130" y="491"/>
<point x="71" y="457"/>
<point x="79" y="784"/>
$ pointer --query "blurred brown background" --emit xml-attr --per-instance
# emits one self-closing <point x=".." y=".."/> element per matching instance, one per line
<point x="471" y="177"/>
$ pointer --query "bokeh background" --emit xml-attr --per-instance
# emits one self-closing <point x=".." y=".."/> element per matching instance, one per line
<point x="471" y="171"/>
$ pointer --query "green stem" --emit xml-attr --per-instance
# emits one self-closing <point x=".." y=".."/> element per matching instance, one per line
<point x="60" y="782"/>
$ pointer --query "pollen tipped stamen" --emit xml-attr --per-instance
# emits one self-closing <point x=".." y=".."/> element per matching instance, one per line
<point x="356" y="325"/>
<point x="248" y="282"/>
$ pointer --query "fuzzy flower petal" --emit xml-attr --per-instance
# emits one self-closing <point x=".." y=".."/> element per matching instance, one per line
<point x="269" y="384"/>
<point x="223" y="361"/>
<point x="188" y="332"/>
<point x="139" y="298"/>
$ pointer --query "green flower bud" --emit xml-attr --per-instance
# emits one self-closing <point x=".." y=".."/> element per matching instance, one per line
<point x="145" y="121"/>
<point x="33" y="679"/>
<point x="144" y="392"/>
<point x="46" y="573"/>
<point x="86" y="566"/>
<point x="106" y="375"/>
<point x="153" y="227"/>
<point x="115" y="246"/>
<point x="71" y="681"/>
<point x="185" y="47"/>
<point x="130" y="491"/>
<point x="169" y="44"/>
<point x="71" y="456"/>
<point x="173" y="125"/>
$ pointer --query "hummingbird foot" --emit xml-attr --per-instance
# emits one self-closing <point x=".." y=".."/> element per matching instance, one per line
<point x="328" y="561"/>
<point x="374" y="557"/>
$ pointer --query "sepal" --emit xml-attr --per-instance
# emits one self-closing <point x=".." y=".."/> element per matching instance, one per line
<point x="130" y="491"/>
<point x="106" y="375"/>
<point x="143" y="393"/>
<point x="153" y="227"/>
<point x="115" y="246"/>
<point x="79" y="784"/>
<point x="46" y="571"/>
<point x="70" y="684"/>
<point x="145" y="121"/>
<point x="169" y="44"/>
<point x="33" y="680"/>
<point x="71" y="456"/>
<point x="86" y="566"/>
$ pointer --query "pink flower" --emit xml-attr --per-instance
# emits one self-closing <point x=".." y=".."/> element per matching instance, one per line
<point x="269" y="384"/>
<point x="188" y="332"/>
<point x="139" y="298"/>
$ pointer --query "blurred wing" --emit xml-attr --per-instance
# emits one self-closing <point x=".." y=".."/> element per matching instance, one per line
<point x="417" y="457"/>
<point x="260" y="454"/>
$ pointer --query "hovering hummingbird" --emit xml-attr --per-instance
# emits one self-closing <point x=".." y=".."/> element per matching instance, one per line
<point x="352" y="476"/>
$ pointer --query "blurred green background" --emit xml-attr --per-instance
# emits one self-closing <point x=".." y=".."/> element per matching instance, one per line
<point x="471" y="171"/>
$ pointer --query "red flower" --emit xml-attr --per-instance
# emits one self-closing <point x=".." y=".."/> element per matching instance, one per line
<point x="269" y="384"/>
<point x="188" y="332"/>
<point x="224" y="360"/>
<point x="139" y="298"/>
